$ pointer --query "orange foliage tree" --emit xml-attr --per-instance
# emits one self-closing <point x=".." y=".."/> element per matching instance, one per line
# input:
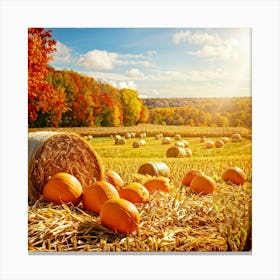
<point x="45" y="102"/>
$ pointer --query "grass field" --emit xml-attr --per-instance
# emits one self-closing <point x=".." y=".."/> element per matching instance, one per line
<point x="179" y="221"/>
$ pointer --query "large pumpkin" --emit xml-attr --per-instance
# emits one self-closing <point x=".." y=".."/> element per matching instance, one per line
<point x="203" y="184"/>
<point x="120" y="215"/>
<point x="63" y="188"/>
<point x="235" y="175"/>
<point x="157" y="184"/>
<point x="114" y="178"/>
<point x="187" y="179"/>
<point x="96" y="194"/>
<point x="134" y="192"/>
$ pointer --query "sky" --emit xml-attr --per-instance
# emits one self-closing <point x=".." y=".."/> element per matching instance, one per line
<point x="160" y="62"/>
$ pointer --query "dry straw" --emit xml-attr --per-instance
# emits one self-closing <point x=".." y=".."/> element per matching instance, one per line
<point x="181" y="221"/>
<point x="53" y="152"/>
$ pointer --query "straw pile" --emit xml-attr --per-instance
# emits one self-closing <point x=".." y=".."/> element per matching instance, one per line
<point x="181" y="221"/>
<point x="53" y="152"/>
<point x="176" y="152"/>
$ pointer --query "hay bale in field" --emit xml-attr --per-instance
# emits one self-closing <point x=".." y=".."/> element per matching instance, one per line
<point x="127" y="135"/>
<point x="225" y="140"/>
<point x="180" y="144"/>
<point x="53" y="152"/>
<point x="186" y="142"/>
<point x="177" y="137"/>
<point x="142" y="142"/>
<point x="236" y="137"/>
<point x="176" y="152"/>
<point x="117" y="137"/>
<point x="133" y="134"/>
<point x="219" y="144"/>
<point x="166" y="140"/>
<point x="120" y="141"/>
<point x="136" y="144"/>
<point x="142" y="135"/>
<point x="156" y="168"/>
<point x="209" y="144"/>
<point x="188" y="152"/>
<point x="202" y="139"/>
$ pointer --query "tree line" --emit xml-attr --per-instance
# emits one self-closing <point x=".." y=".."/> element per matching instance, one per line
<point x="67" y="98"/>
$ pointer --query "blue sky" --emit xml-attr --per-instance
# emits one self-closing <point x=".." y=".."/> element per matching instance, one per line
<point x="160" y="62"/>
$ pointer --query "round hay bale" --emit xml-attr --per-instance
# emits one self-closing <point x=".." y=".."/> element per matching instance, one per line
<point x="177" y="137"/>
<point x="236" y="137"/>
<point x="176" y="152"/>
<point x="52" y="152"/>
<point x="203" y="139"/>
<point x="133" y="134"/>
<point x="209" y="144"/>
<point x="166" y="140"/>
<point x="142" y="142"/>
<point x="186" y="142"/>
<point x="188" y="152"/>
<point x="219" y="143"/>
<point x="180" y="144"/>
<point x="127" y="135"/>
<point x="156" y="168"/>
<point x="120" y="141"/>
<point x="117" y="137"/>
<point x="136" y="144"/>
<point x="225" y="140"/>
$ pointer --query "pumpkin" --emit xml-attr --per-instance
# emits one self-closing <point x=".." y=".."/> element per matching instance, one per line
<point x="134" y="192"/>
<point x="63" y="188"/>
<point x="156" y="168"/>
<point x="114" y="178"/>
<point x="203" y="184"/>
<point x="235" y="175"/>
<point x="158" y="184"/>
<point x="96" y="194"/>
<point x="189" y="176"/>
<point x="120" y="215"/>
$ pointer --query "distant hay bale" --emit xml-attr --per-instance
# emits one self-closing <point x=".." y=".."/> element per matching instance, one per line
<point x="236" y="137"/>
<point x="117" y="137"/>
<point x="219" y="144"/>
<point x="202" y="139"/>
<point x="180" y="144"/>
<point x="176" y="152"/>
<point x="156" y="168"/>
<point x="209" y="144"/>
<point x="133" y="134"/>
<point x="142" y="135"/>
<point x="186" y="142"/>
<point x="142" y="142"/>
<point x="225" y="140"/>
<point x="136" y="144"/>
<point x="158" y="136"/>
<point x="188" y="152"/>
<point x="127" y="135"/>
<point x="166" y="140"/>
<point x="177" y="137"/>
<point x="120" y="141"/>
<point x="52" y="152"/>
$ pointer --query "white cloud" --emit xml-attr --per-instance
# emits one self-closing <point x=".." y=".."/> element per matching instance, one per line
<point x="127" y="84"/>
<point x="211" y="46"/>
<point x="134" y="73"/>
<point x="62" y="54"/>
<point x="151" y="53"/>
<point x="98" y="60"/>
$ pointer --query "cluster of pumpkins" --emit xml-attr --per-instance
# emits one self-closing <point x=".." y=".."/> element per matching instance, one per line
<point x="114" y="201"/>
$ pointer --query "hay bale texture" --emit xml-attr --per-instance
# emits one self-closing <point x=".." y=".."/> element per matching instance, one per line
<point x="176" y="152"/>
<point x="155" y="168"/>
<point x="53" y="152"/>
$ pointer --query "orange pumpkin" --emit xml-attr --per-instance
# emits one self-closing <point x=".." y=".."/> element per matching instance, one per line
<point x="189" y="176"/>
<point x="235" y="175"/>
<point x="114" y="178"/>
<point x="158" y="184"/>
<point x="134" y="192"/>
<point x="203" y="184"/>
<point x="96" y="194"/>
<point x="63" y="188"/>
<point x="120" y="215"/>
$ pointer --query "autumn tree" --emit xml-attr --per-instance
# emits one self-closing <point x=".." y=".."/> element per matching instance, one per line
<point x="45" y="103"/>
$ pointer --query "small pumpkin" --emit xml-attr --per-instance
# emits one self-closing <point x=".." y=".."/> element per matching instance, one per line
<point x="63" y="188"/>
<point x="187" y="179"/>
<point x="134" y="192"/>
<point x="96" y="194"/>
<point x="235" y="175"/>
<point x="158" y="184"/>
<point x="203" y="184"/>
<point x="114" y="178"/>
<point x="120" y="215"/>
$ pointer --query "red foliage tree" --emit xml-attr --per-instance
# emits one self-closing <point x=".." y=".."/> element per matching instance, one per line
<point x="45" y="103"/>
